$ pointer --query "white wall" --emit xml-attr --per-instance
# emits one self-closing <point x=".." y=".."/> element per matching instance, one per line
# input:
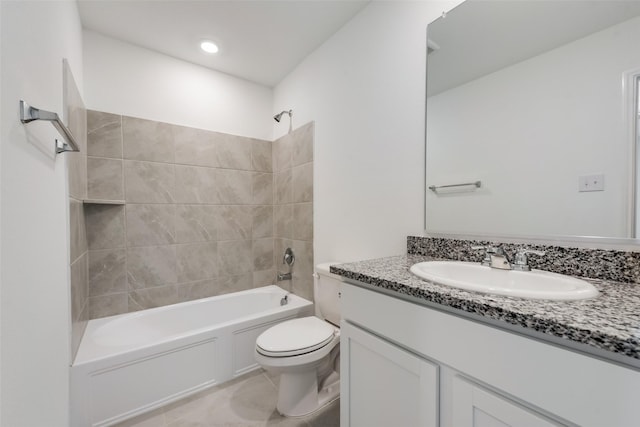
<point x="34" y="267"/>
<point x="528" y="132"/>
<point x="125" y="79"/>
<point x="365" y="88"/>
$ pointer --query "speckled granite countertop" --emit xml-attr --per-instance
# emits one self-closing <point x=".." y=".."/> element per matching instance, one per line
<point x="609" y="322"/>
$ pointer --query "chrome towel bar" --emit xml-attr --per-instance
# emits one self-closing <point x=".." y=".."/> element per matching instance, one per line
<point x="29" y="114"/>
<point x="435" y="188"/>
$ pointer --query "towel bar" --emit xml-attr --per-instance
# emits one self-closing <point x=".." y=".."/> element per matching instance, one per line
<point x="29" y="114"/>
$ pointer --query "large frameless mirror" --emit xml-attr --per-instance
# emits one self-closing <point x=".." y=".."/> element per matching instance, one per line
<point x="532" y="112"/>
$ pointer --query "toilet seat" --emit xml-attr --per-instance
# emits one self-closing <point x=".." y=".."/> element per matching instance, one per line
<point x="295" y="337"/>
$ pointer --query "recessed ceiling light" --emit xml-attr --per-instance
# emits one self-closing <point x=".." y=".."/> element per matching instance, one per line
<point x="209" y="46"/>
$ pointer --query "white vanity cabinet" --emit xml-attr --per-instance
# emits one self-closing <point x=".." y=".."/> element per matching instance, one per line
<point x="388" y="385"/>
<point x="404" y="364"/>
<point x="474" y="406"/>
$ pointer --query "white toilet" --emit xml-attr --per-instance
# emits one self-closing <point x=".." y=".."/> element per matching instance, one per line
<point x="306" y="351"/>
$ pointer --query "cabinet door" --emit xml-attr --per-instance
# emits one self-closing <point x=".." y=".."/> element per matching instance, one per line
<point x="474" y="406"/>
<point x="384" y="385"/>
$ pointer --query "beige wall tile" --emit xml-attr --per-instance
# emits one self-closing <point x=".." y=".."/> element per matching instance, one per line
<point x="154" y="297"/>
<point x="233" y="152"/>
<point x="107" y="272"/>
<point x="262" y="254"/>
<point x="107" y="305"/>
<point x="282" y="153"/>
<point x="234" y="258"/>
<point x="262" y="221"/>
<point x="228" y="284"/>
<point x="77" y="175"/>
<point x="302" y="177"/>
<point x="262" y="188"/>
<point x="196" y="290"/>
<point x="151" y="266"/>
<point x="104" y="134"/>
<point x="303" y="287"/>
<point x="196" y="185"/>
<point x="234" y="222"/>
<point x="77" y="228"/>
<point x="283" y="221"/>
<point x="302" y="140"/>
<point x="104" y="179"/>
<point x="147" y="182"/>
<point x="264" y="277"/>
<point x="147" y="140"/>
<point x="200" y="219"/>
<point x="79" y="286"/>
<point x="303" y="221"/>
<point x="105" y="226"/>
<point x="149" y="225"/>
<point x="196" y="261"/>
<point x="77" y="167"/>
<point x="304" y="258"/>
<point x="195" y="146"/>
<point x="233" y="186"/>
<point x="303" y="269"/>
<point x="261" y="155"/>
<point x="196" y="223"/>
<point x="283" y="187"/>
<point x="76" y="115"/>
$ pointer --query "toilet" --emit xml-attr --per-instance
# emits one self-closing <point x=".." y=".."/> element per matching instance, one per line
<point x="306" y="351"/>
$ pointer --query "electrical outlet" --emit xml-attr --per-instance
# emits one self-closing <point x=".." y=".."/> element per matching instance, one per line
<point x="591" y="183"/>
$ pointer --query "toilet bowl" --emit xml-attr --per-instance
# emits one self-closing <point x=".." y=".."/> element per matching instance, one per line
<point x="305" y="352"/>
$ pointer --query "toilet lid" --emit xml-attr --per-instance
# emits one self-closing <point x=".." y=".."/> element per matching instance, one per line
<point x="296" y="336"/>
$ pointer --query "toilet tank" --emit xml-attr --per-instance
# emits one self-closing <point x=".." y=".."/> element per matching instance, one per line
<point x="327" y="288"/>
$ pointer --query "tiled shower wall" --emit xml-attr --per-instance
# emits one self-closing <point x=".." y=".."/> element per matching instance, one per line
<point x="197" y="217"/>
<point x="76" y="116"/>
<point x="293" y="210"/>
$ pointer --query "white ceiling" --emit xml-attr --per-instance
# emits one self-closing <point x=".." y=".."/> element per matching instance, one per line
<point x="259" y="40"/>
<point x="480" y="37"/>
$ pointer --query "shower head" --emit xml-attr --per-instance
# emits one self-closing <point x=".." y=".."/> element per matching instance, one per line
<point x="278" y="116"/>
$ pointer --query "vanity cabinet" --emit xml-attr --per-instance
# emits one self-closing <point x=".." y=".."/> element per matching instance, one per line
<point x="407" y="364"/>
<point x="388" y="386"/>
<point x="474" y="406"/>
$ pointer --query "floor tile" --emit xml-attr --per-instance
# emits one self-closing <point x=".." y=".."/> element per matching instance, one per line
<point x="247" y="401"/>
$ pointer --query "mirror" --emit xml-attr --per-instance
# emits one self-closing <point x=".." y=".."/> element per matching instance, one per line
<point x="536" y="100"/>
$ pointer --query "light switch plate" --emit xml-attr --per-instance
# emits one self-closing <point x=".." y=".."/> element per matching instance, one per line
<point x="591" y="183"/>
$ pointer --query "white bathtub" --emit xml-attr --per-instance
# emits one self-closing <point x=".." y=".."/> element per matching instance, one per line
<point x="132" y="363"/>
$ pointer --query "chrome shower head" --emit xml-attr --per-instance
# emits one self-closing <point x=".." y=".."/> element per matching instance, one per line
<point x="278" y="116"/>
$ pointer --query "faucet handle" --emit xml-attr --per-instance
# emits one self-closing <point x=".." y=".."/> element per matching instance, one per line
<point x="488" y="250"/>
<point x="521" y="260"/>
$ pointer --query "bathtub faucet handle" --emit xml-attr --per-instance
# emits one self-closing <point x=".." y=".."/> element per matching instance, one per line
<point x="289" y="258"/>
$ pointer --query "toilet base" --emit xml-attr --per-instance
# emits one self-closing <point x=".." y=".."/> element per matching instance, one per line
<point x="299" y="396"/>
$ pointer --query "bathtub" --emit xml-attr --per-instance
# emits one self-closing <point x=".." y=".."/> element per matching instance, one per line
<point x="135" y="362"/>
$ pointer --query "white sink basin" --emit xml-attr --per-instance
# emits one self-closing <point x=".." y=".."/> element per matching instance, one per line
<point x="534" y="284"/>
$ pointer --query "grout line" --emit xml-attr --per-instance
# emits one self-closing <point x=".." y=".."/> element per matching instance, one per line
<point x="269" y="379"/>
<point x="127" y="287"/>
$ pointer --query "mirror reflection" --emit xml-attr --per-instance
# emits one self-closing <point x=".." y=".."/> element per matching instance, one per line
<point x="536" y="101"/>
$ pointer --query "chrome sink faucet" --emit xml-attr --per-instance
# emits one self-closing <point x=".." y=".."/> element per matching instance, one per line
<point x="521" y="260"/>
<point x="496" y="257"/>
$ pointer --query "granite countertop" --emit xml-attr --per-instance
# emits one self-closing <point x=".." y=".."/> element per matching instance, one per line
<point x="609" y="322"/>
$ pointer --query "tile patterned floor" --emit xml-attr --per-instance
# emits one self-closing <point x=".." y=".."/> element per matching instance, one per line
<point x="248" y="401"/>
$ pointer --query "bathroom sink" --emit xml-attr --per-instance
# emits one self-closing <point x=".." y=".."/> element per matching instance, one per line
<point x="534" y="284"/>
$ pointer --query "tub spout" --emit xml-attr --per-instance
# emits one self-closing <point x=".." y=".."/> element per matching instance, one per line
<point x="284" y="276"/>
